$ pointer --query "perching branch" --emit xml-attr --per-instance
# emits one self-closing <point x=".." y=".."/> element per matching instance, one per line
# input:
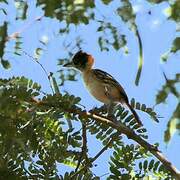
<point x="121" y="128"/>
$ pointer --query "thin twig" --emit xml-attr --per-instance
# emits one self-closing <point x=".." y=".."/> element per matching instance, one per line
<point x="114" y="136"/>
<point x="104" y="175"/>
<point x="84" y="146"/>
<point x="165" y="76"/>
<point x="26" y="26"/>
<point x="42" y="67"/>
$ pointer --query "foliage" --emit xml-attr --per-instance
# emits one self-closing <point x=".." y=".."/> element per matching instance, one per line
<point x="174" y="11"/>
<point x="170" y="87"/>
<point x="71" y="11"/>
<point x="37" y="133"/>
<point x="153" y="166"/>
<point x="145" y="109"/>
<point x="34" y="133"/>
<point x="126" y="157"/>
<point x="105" y="40"/>
<point x="173" y="124"/>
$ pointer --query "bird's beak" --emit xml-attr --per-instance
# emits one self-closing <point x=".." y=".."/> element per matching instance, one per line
<point x="69" y="64"/>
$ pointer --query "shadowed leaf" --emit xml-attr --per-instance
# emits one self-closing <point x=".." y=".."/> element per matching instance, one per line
<point x="3" y="36"/>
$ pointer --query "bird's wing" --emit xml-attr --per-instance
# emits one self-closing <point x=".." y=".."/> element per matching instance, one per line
<point x="108" y="79"/>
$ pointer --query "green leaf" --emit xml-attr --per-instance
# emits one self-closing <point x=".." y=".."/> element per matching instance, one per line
<point x="133" y="102"/>
<point x="126" y="13"/>
<point x="140" y="165"/>
<point x="6" y="64"/>
<point x="176" y="45"/>
<point x="75" y="12"/>
<point x="106" y="1"/>
<point x="124" y="114"/>
<point x="145" y="164"/>
<point x="5" y="1"/>
<point x="117" y="41"/>
<point x="175" y="15"/>
<point x="151" y="164"/>
<point x="140" y="60"/>
<point x="155" y="167"/>
<point x="172" y="124"/>
<point x="115" y="171"/>
<point x="156" y="1"/>
<point x="168" y="87"/>
<point x="38" y="53"/>
<point x="3" y="39"/>
<point x="145" y="109"/>
<point x="69" y="163"/>
<point x="138" y="105"/>
<point x="55" y="85"/>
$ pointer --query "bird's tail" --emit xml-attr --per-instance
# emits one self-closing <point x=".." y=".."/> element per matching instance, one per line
<point x="135" y="114"/>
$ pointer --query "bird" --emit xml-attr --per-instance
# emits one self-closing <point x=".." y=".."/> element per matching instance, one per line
<point x="104" y="87"/>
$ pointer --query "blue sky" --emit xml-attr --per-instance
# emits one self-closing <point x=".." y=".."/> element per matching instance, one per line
<point x="157" y="34"/>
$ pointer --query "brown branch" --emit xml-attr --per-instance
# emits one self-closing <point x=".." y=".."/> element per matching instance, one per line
<point x="121" y="128"/>
<point x="84" y="146"/>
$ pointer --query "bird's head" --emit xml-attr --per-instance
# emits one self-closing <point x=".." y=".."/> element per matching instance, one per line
<point x="81" y="61"/>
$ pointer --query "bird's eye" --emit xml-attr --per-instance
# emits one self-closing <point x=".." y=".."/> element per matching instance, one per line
<point x="75" y="62"/>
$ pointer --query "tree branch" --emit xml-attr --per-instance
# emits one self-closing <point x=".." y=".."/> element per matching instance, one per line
<point x="121" y="128"/>
<point x="84" y="146"/>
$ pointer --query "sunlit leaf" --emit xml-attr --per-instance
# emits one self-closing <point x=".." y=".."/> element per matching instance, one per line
<point x="176" y="45"/>
<point x="75" y="13"/>
<point x="172" y="124"/>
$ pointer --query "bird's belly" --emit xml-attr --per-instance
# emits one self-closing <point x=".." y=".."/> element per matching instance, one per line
<point x="97" y="90"/>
